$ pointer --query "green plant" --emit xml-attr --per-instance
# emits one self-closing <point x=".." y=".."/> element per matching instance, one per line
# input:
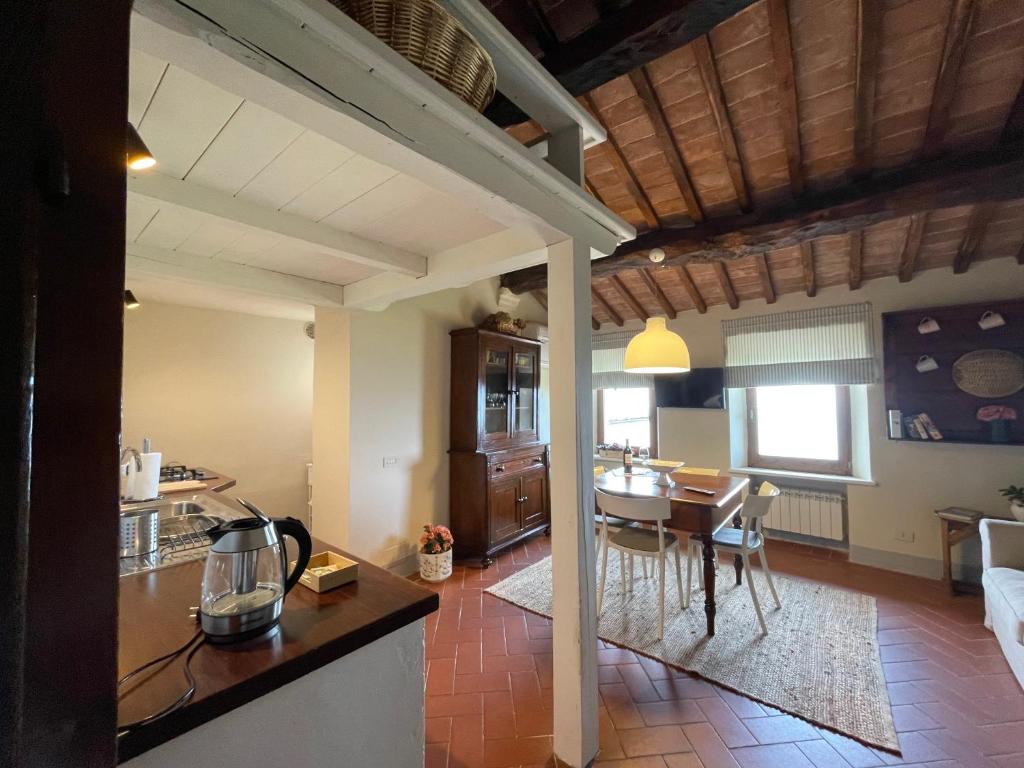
<point x="1014" y="493"/>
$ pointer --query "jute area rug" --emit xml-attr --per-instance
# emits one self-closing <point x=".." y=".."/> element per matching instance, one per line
<point x="819" y="661"/>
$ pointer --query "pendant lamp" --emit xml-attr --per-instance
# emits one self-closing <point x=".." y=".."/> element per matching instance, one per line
<point x="137" y="154"/>
<point x="656" y="349"/>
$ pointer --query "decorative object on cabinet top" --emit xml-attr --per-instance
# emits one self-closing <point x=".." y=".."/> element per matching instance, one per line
<point x="503" y="322"/>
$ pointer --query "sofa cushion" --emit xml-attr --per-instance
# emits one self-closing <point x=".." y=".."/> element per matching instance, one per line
<point x="1008" y="583"/>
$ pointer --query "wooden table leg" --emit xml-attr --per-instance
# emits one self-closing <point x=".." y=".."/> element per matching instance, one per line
<point x="947" y="559"/>
<point x="737" y="561"/>
<point x="709" y="583"/>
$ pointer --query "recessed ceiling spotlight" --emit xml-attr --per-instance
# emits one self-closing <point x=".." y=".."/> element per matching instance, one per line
<point x="657" y="255"/>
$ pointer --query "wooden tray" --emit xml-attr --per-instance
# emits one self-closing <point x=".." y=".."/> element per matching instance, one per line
<point x="348" y="572"/>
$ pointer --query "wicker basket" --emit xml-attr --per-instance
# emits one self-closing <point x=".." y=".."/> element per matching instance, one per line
<point x="428" y="36"/>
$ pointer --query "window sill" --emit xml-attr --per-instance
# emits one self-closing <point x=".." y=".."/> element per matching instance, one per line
<point x="844" y="479"/>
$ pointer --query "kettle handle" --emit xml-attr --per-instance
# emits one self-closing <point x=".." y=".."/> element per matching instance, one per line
<point x="289" y="526"/>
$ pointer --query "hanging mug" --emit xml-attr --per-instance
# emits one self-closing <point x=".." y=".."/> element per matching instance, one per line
<point x="991" y="320"/>
<point x="926" y="363"/>
<point x="927" y="325"/>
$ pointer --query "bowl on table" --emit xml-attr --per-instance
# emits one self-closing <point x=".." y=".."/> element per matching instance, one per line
<point x="665" y="468"/>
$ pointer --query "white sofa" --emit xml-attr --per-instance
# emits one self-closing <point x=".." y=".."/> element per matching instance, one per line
<point x="1002" y="561"/>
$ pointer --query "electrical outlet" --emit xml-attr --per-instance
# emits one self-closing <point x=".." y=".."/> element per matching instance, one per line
<point x="905" y="536"/>
<point x="390" y="461"/>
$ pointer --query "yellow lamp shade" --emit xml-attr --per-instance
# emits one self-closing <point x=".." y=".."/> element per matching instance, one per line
<point x="657" y="350"/>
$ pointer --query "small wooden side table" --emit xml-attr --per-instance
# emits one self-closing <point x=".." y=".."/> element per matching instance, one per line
<point x="958" y="524"/>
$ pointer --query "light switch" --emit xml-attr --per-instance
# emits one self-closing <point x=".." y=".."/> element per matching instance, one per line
<point x="390" y="461"/>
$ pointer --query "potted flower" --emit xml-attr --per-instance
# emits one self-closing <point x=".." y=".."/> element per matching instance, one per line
<point x="1000" y="419"/>
<point x="1016" y="496"/>
<point x="435" y="553"/>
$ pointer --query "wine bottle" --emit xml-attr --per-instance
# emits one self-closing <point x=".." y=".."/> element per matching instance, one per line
<point x="627" y="459"/>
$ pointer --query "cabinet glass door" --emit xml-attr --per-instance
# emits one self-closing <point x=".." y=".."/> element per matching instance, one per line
<point x="496" y="392"/>
<point x="525" y="385"/>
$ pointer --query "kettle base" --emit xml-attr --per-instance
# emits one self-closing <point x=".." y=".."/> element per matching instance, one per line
<point x="241" y="637"/>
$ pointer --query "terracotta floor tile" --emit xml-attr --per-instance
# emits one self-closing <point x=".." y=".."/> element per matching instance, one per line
<point x="499" y="715"/>
<point x="708" y="746"/>
<point x="821" y="754"/>
<point x="656" y="740"/>
<point x="782" y="728"/>
<point x="772" y="756"/>
<point x="505" y="753"/>
<point x="955" y="703"/>
<point x="674" y="712"/>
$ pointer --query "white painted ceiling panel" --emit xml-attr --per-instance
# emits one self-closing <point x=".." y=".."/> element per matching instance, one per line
<point x="170" y="227"/>
<point x="380" y="202"/>
<point x="249" y="245"/>
<point x="431" y="225"/>
<point x="144" y="73"/>
<point x="185" y="115"/>
<point x="249" y="142"/>
<point x="305" y="261"/>
<point x="213" y="236"/>
<point x="166" y="291"/>
<point x="301" y="165"/>
<point x="139" y="213"/>
<point x="353" y="179"/>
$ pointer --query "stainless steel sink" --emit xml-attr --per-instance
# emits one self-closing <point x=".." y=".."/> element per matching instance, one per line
<point x="182" y="532"/>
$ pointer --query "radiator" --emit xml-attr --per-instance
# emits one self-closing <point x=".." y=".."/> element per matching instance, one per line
<point x="818" y="514"/>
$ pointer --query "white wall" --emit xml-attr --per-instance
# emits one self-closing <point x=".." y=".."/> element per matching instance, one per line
<point x="913" y="479"/>
<point x="399" y="373"/>
<point x="224" y="390"/>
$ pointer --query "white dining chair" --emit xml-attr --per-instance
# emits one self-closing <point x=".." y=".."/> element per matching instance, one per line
<point x="614" y="524"/>
<point x="743" y="542"/>
<point x="636" y="541"/>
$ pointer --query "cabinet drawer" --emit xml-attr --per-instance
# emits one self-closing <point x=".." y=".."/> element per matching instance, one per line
<point x="514" y="466"/>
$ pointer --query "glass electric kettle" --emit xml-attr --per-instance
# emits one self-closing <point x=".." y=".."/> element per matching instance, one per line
<point x="244" y="581"/>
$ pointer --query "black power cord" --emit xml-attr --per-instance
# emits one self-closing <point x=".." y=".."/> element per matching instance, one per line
<point x="181" y="700"/>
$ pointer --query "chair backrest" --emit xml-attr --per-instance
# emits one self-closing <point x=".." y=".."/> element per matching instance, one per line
<point x="700" y="471"/>
<point x="633" y="508"/>
<point x="756" y="507"/>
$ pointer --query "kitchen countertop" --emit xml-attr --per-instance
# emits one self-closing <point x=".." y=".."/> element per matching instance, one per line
<point x="315" y="630"/>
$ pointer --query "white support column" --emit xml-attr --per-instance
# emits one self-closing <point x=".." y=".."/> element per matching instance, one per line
<point x="572" y="504"/>
<point x="331" y="425"/>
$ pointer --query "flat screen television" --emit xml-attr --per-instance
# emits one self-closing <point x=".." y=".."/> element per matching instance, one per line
<point x="700" y="388"/>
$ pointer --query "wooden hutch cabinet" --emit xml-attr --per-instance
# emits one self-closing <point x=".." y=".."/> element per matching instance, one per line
<point x="498" y="466"/>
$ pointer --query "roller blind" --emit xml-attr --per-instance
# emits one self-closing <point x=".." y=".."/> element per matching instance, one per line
<point x="826" y="345"/>
<point x="609" y="354"/>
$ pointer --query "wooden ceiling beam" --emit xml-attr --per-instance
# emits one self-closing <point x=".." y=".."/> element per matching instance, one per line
<point x="869" y="23"/>
<point x="657" y="293"/>
<point x="961" y="18"/>
<point x="613" y="152"/>
<point x="542" y="298"/>
<point x="856" y="271"/>
<point x="911" y="247"/>
<point x="807" y="267"/>
<point x="623" y="40"/>
<point x="1020" y="254"/>
<point x="725" y="285"/>
<point x="641" y="81"/>
<point x="602" y="302"/>
<point x="593" y="191"/>
<point x="540" y="25"/>
<point x="701" y="48"/>
<point x="946" y="182"/>
<point x="976" y="226"/>
<point x="765" y="276"/>
<point x="628" y="297"/>
<point x="691" y="289"/>
<point x="789" y="112"/>
<point x="594" y="324"/>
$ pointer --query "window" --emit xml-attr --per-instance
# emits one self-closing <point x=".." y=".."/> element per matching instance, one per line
<point x="628" y="414"/>
<point x="804" y="428"/>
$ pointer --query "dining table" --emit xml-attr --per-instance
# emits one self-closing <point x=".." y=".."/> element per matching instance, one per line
<point x="701" y="512"/>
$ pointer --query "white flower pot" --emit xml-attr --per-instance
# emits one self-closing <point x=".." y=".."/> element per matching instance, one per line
<point x="436" y="567"/>
<point x="1017" y="510"/>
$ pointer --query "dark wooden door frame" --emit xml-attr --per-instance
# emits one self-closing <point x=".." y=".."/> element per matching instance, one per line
<point x="64" y="86"/>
